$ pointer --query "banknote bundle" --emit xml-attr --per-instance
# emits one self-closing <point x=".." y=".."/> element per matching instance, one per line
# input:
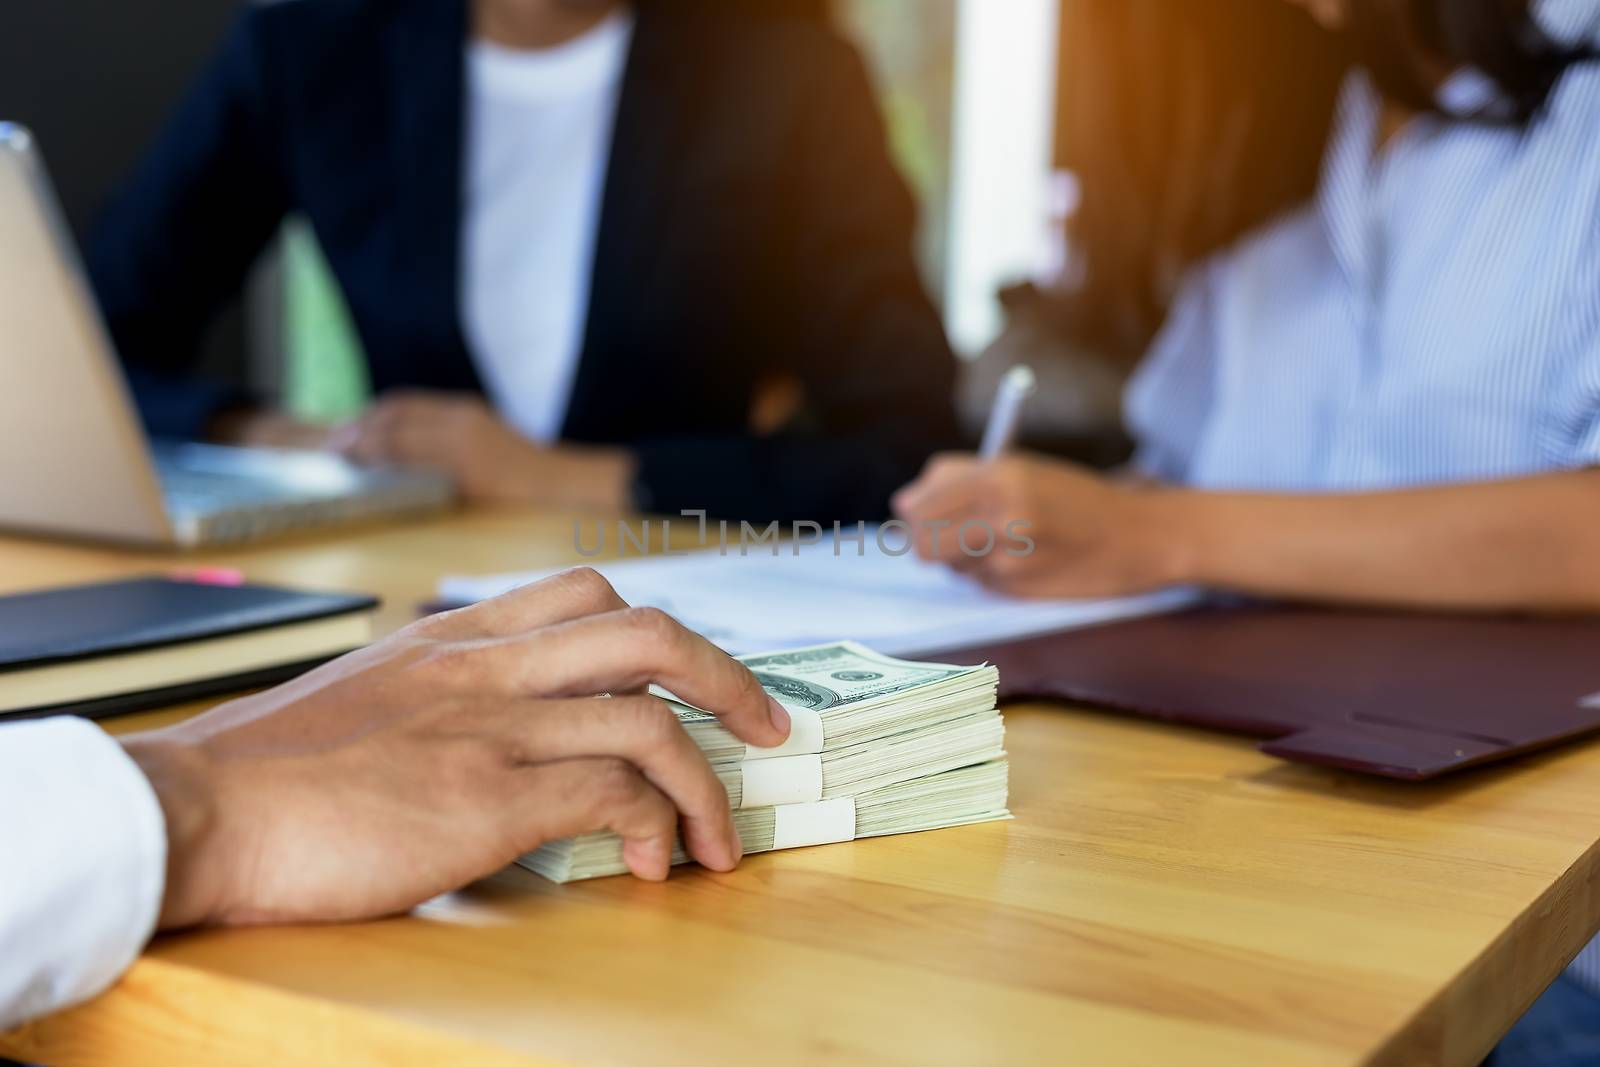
<point x="878" y="746"/>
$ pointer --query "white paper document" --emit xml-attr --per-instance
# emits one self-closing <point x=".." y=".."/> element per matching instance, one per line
<point x="896" y="605"/>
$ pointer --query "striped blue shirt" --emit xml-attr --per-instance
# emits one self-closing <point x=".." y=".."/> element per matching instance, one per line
<point x="1433" y="317"/>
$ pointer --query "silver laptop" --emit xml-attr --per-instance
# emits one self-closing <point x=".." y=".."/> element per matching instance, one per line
<point x="74" y="459"/>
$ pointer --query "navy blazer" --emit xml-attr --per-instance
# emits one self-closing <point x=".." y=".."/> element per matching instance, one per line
<point x="751" y="224"/>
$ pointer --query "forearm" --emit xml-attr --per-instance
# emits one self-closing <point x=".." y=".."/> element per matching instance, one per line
<point x="185" y="784"/>
<point x="1531" y="544"/>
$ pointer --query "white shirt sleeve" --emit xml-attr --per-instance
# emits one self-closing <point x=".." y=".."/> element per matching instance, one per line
<point x="83" y="853"/>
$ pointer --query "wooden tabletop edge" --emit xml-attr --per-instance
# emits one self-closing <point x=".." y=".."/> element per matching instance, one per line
<point x="165" y="1013"/>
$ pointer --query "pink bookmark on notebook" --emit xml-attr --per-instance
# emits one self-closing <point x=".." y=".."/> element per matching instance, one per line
<point x="228" y="576"/>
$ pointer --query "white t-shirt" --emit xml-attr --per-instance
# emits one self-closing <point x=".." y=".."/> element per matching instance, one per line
<point x="539" y="128"/>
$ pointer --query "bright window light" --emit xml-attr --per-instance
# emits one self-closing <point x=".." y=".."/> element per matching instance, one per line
<point x="1004" y="129"/>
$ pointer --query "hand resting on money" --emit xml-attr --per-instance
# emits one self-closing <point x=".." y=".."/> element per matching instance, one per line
<point x="445" y="752"/>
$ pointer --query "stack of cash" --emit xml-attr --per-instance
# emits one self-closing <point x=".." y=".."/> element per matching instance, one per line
<point x="879" y="746"/>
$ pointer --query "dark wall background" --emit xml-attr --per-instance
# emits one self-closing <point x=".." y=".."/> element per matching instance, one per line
<point x="95" y="79"/>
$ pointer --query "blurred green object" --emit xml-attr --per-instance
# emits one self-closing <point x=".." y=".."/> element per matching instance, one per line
<point x="325" y="367"/>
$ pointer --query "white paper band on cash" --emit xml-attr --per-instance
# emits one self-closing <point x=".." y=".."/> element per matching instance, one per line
<point x="784" y="780"/>
<point x="805" y="736"/>
<point x="822" y="823"/>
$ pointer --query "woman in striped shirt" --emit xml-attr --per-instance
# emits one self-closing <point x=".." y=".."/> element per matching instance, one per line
<point x="1389" y="394"/>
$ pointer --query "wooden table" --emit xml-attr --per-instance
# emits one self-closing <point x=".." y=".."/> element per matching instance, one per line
<point x="1164" y="896"/>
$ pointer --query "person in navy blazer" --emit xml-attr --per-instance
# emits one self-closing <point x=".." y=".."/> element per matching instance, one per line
<point x="751" y="229"/>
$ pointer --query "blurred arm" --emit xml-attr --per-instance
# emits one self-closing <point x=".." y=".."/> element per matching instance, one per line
<point x="1532" y="543"/>
<point x="1529" y="544"/>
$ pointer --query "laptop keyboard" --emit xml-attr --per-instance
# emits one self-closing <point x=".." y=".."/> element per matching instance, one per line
<point x="204" y="491"/>
<point x="218" y="495"/>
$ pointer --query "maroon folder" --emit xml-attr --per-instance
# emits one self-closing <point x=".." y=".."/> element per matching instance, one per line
<point x="1399" y="695"/>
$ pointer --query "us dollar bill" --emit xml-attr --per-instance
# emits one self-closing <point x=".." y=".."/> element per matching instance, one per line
<point x="873" y="693"/>
<point x="829" y="676"/>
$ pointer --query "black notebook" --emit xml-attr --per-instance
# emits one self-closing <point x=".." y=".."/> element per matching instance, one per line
<point x="129" y="645"/>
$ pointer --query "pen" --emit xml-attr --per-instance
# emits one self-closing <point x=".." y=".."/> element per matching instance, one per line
<point x="998" y="436"/>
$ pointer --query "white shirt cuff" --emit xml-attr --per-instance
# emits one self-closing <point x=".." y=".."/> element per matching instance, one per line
<point x="85" y="852"/>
